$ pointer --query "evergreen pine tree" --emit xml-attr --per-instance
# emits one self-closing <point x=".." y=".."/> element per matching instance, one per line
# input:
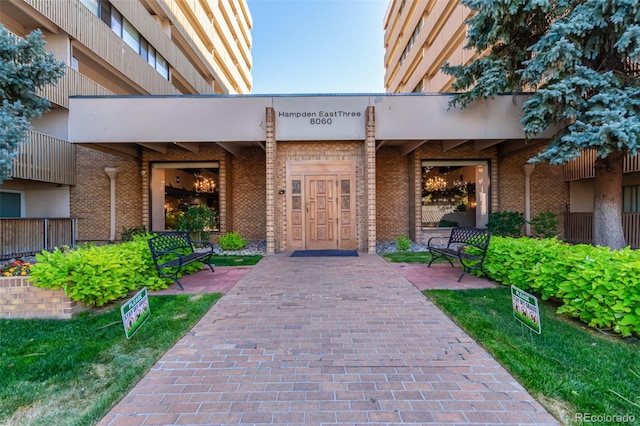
<point x="581" y="61"/>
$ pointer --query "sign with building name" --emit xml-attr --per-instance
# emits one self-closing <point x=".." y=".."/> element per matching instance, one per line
<point x="135" y="312"/>
<point x="525" y="309"/>
<point x="317" y="118"/>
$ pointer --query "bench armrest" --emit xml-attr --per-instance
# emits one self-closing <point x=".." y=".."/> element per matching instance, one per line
<point x="438" y="242"/>
<point x="202" y="243"/>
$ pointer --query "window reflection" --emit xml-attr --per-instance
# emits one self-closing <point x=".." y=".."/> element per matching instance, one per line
<point x="448" y="196"/>
<point x="186" y="188"/>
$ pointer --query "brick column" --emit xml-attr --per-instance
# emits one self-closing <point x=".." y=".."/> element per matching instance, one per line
<point x="370" y="177"/>
<point x="270" y="189"/>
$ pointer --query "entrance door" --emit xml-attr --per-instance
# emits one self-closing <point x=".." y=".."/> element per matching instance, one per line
<point x="321" y="207"/>
<point x="321" y="213"/>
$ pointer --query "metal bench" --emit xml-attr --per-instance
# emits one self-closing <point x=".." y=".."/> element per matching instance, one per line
<point x="171" y="251"/>
<point x="468" y="245"/>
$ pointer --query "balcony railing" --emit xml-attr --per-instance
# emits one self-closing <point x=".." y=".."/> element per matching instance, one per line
<point x="578" y="228"/>
<point x="87" y="29"/>
<point x="28" y="236"/>
<point x="46" y="159"/>
<point x="583" y="166"/>
<point x="71" y="84"/>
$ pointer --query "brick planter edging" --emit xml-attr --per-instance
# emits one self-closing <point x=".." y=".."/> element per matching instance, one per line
<point x="20" y="299"/>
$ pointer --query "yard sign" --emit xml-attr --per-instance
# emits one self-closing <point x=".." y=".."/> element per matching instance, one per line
<point x="525" y="308"/>
<point x="135" y="312"/>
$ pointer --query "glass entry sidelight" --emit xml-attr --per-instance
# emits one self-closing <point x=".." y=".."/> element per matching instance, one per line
<point x="321" y="211"/>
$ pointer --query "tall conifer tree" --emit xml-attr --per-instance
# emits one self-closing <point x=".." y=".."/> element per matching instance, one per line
<point x="581" y="61"/>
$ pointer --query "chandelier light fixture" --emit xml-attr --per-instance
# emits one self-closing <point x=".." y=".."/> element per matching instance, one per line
<point x="436" y="183"/>
<point x="204" y="184"/>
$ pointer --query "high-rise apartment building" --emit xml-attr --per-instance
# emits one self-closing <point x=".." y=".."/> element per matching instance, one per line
<point x="420" y="36"/>
<point x="111" y="47"/>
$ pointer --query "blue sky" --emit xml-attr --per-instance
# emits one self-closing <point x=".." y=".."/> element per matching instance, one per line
<point x="318" y="46"/>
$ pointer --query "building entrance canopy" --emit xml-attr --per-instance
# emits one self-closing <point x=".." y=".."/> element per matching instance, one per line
<point x="241" y="118"/>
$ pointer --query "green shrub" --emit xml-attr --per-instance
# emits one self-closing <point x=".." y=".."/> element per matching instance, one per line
<point x="231" y="241"/>
<point x="95" y="275"/>
<point x="506" y="224"/>
<point x="198" y="221"/>
<point x="403" y="243"/>
<point x="127" y="234"/>
<point x="595" y="285"/>
<point x="545" y="224"/>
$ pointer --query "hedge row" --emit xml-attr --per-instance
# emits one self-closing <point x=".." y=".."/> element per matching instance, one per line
<point x="598" y="286"/>
<point x="95" y="275"/>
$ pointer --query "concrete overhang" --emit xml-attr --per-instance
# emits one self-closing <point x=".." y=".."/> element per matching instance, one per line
<point x="232" y="121"/>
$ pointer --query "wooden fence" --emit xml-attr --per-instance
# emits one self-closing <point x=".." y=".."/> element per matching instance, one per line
<point x="28" y="236"/>
<point x="578" y="228"/>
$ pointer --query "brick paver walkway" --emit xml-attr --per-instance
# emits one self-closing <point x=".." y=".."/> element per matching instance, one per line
<point x="326" y="340"/>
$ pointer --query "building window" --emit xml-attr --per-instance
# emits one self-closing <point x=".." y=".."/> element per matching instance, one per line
<point x="92" y="5"/>
<point x="455" y="193"/>
<point x="11" y="204"/>
<point x="127" y="32"/>
<point x="116" y="22"/>
<point x="412" y="40"/>
<point x="151" y="56"/>
<point x="131" y="36"/>
<point x="177" y="186"/>
<point x="631" y="199"/>
<point x="162" y="66"/>
<point x="105" y="12"/>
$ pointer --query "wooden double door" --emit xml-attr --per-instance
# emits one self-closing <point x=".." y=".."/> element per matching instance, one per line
<point x="321" y="205"/>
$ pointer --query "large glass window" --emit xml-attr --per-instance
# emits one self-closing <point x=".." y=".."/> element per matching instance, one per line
<point x="455" y="193"/>
<point x="175" y="187"/>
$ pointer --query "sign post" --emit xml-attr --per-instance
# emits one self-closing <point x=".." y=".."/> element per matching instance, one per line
<point x="135" y="312"/>
<point x="525" y="309"/>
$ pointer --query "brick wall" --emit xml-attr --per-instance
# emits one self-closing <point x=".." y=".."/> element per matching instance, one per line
<point x="392" y="194"/>
<point x="247" y="193"/>
<point x="20" y="299"/>
<point x="90" y="197"/>
<point x="549" y="191"/>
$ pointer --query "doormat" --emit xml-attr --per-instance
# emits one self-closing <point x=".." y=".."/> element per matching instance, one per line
<point x="319" y="253"/>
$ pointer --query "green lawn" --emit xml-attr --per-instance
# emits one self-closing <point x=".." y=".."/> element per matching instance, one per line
<point x="569" y="369"/>
<point x="71" y="372"/>
<point x="409" y="257"/>
<point x="234" y="260"/>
